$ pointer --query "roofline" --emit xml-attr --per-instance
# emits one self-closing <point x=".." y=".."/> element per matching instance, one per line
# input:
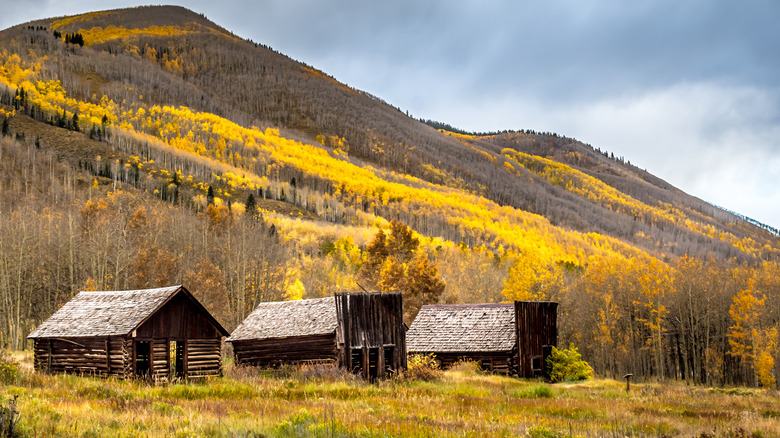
<point x="181" y="288"/>
<point x="466" y="306"/>
<point x="275" y="338"/>
<point x="411" y="351"/>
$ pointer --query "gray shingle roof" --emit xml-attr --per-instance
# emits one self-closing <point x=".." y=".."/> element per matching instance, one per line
<point x="107" y="313"/>
<point x="282" y="319"/>
<point x="463" y="328"/>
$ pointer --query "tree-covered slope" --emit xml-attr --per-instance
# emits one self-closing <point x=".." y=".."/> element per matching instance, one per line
<point x="153" y="124"/>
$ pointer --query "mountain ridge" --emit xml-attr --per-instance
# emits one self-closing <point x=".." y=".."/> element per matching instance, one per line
<point x="149" y="146"/>
<point x="389" y="138"/>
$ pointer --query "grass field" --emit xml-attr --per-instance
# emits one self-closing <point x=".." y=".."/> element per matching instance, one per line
<point x="310" y="402"/>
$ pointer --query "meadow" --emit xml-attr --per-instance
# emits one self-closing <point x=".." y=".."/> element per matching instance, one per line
<point x="324" y="402"/>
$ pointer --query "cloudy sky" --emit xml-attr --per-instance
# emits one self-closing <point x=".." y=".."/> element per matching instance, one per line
<point x="689" y="90"/>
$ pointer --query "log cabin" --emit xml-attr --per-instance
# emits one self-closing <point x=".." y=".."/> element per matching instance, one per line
<point x="361" y="332"/>
<point x="161" y="334"/>
<point x="507" y="338"/>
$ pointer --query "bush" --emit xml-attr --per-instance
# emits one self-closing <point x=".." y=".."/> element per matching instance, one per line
<point x="422" y="367"/>
<point x="567" y="365"/>
<point x="468" y="367"/>
<point x="9" y="371"/>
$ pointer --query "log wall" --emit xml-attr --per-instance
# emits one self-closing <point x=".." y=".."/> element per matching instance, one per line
<point x="502" y="362"/>
<point x="103" y="357"/>
<point x="203" y="358"/>
<point x="278" y="351"/>
<point x="113" y="357"/>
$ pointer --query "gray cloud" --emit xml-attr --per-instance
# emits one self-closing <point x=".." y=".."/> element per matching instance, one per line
<point x="688" y="90"/>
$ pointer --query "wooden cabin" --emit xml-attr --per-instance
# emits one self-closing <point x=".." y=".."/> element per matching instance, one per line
<point x="484" y="333"/>
<point x="507" y="338"/>
<point x="161" y="334"/>
<point x="362" y="332"/>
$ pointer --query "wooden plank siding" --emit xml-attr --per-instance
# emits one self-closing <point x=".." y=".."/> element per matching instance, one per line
<point x="536" y="328"/>
<point x="361" y="332"/>
<point x="370" y="327"/>
<point x="159" y="334"/>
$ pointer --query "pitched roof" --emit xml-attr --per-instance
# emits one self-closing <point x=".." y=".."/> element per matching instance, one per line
<point x="463" y="328"/>
<point x="106" y="313"/>
<point x="282" y="319"/>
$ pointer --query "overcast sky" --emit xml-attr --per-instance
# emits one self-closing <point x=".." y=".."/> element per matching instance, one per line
<point x="689" y="90"/>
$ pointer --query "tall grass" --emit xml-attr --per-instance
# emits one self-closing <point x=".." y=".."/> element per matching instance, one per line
<point x="320" y="402"/>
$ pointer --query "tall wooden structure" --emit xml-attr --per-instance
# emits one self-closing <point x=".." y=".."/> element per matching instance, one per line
<point x="507" y="338"/>
<point x="362" y="332"/>
<point x="161" y="334"/>
<point x="370" y="333"/>
<point x="537" y="332"/>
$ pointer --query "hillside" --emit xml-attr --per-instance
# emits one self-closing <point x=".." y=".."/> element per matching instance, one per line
<point x="134" y="138"/>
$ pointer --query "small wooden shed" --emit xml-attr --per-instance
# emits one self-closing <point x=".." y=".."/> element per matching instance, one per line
<point x="507" y="338"/>
<point x="362" y="332"/>
<point x="484" y="333"/>
<point x="162" y="334"/>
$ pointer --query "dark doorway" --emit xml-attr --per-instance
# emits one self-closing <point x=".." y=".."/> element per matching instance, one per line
<point x="389" y="360"/>
<point x="142" y="358"/>
<point x="176" y="352"/>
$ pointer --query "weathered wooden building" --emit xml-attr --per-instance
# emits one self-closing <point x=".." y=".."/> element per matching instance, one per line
<point x="362" y="332"/>
<point x="484" y="333"/>
<point x="161" y="334"/>
<point x="537" y="333"/>
<point x="508" y="338"/>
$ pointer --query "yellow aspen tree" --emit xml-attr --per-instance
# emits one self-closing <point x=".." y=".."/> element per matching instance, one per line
<point x="745" y="311"/>
<point x="766" y="344"/>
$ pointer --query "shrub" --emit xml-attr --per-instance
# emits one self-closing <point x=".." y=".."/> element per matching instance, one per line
<point x="567" y="365"/>
<point x="422" y="367"/>
<point x="468" y="367"/>
<point x="9" y="371"/>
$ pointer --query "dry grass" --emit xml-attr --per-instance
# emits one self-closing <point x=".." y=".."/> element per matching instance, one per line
<point x="319" y="402"/>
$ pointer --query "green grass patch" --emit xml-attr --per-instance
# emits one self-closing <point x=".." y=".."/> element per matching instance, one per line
<point x="534" y="391"/>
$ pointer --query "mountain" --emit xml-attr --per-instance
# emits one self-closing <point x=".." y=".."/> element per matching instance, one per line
<point x="133" y="139"/>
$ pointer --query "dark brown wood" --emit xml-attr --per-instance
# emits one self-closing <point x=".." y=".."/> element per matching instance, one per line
<point x="181" y="318"/>
<point x="500" y="362"/>
<point x="366" y="325"/>
<point x="277" y="351"/>
<point x="371" y="322"/>
<point x="536" y="326"/>
<point x="108" y="357"/>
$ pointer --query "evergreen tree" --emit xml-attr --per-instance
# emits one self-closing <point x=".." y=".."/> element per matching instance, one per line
<point x="210" y="196"/>
<point x="75" y="122"/>
<point x="251" y="206"/>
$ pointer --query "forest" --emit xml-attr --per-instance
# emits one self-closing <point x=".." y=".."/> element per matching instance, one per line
<point x="156" y="148"/>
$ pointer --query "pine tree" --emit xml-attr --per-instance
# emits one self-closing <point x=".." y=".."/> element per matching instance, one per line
<point x="251" y="206"/>
<point x="210" y="196"/>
